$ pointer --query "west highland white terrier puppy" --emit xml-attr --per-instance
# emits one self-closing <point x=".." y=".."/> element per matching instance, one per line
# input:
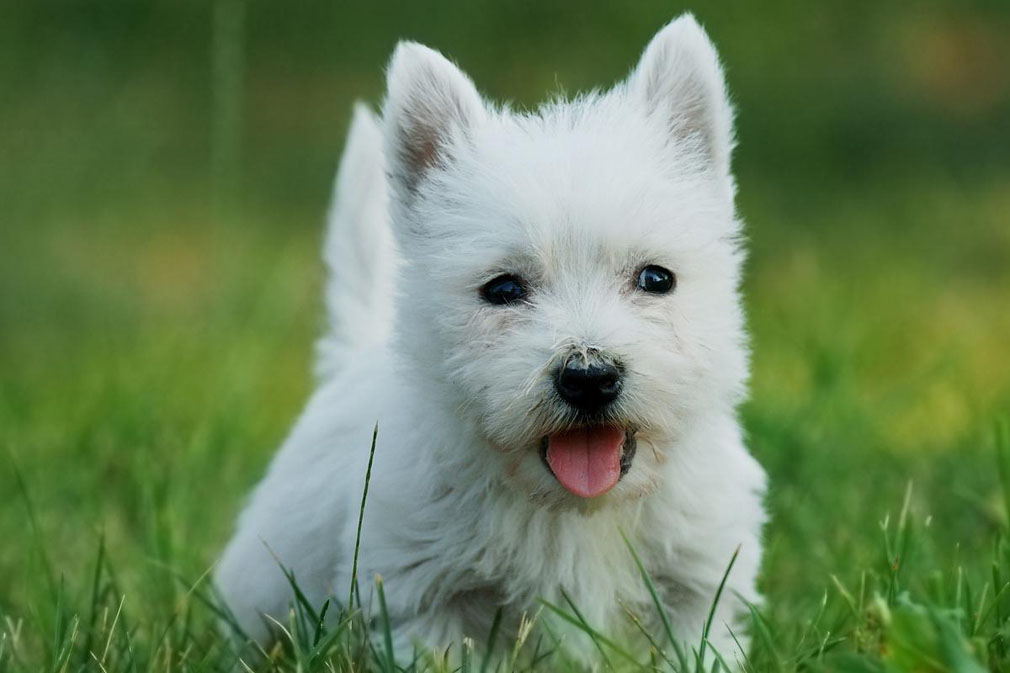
<point x="540" y="310"/>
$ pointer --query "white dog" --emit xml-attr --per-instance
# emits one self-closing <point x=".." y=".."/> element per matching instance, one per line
<point x="540" y="310"/>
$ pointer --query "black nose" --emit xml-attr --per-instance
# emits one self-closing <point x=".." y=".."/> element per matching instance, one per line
<point x="588" y="387"/>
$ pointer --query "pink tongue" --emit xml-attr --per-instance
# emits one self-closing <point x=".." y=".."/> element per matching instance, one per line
<point x="586" y="461"/>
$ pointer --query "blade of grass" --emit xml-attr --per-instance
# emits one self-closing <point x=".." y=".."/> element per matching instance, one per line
<point x="319" y="623"/>
<point x="597" y="637"/>
<point x="977" y="622"/>
<point x="491" y="640"/>
<point x="715" y="604"/>
<point x="387" y="630"/>
<point x="324" y="644"/>
<point x="40" y="548"/>
<point x="762" y="631"/>
<point x="361" y="518"/>
<point x="1001" y="437"/>
<point x="304" y="612"/>
<point x="648" y="636"/>
<point x="660" y="608"/>
<point x="591" y="632"/>
<point x="95" y="592"/>
<point x="748" y="666"/>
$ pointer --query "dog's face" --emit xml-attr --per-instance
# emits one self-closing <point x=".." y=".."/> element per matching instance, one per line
<point x="571" y="274"/>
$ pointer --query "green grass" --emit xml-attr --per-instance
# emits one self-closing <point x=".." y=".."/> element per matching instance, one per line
<point x="160" y="291"/>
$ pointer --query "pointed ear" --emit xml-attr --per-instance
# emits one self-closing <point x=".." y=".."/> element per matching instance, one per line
<point x="679" y="78"/>
<point x="430" y="105"/>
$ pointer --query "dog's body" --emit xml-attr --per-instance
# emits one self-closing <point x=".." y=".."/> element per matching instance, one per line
<point x="541" y="313"/>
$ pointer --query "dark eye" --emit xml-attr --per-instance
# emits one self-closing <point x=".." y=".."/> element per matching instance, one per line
<point x="656" y="279"/>
<point x="505" y="289"/>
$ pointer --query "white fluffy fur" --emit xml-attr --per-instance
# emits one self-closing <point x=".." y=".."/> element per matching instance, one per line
<point x="462" y="515"/>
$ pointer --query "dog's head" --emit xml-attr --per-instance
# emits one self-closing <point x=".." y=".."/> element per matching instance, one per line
<point x="570" y="276"/>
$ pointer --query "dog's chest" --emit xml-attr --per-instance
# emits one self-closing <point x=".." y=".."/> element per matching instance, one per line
<point x="528" y="556"/>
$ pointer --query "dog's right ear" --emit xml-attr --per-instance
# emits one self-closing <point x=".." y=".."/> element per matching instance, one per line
<point x="430" y="106"/>
<point x="680" y="79"/>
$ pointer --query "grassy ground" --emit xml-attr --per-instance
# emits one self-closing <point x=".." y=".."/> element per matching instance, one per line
<point x="154" y="347"/>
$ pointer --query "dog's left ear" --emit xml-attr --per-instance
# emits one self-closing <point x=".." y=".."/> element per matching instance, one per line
<point x="430" y="106"/>
<point x="679" y="78"/>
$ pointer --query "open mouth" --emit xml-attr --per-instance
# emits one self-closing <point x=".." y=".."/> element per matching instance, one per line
<point x="588" y="461"/>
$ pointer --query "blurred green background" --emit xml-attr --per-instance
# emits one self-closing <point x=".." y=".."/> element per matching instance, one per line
<point x="165" y="167"/>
